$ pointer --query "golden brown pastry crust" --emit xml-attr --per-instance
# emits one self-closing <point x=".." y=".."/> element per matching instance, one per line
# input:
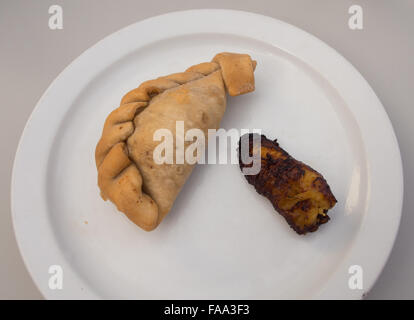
<point x="124" y="153"/>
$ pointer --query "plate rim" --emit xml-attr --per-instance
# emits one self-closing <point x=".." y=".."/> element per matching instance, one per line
<point x="330" y="290"/>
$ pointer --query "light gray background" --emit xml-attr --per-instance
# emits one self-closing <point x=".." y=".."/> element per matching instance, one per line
<point x="32" y="55"/>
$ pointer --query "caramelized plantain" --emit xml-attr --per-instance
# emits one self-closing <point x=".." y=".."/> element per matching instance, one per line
<point x="299" y="193"/>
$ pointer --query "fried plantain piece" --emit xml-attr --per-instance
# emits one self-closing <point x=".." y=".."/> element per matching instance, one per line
<point x="297" y="192"/>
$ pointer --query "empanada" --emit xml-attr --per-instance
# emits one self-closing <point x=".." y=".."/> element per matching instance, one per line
<point x="127" y="174"/>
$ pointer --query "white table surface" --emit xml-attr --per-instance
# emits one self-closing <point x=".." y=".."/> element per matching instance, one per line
<point x="32" y="55"/>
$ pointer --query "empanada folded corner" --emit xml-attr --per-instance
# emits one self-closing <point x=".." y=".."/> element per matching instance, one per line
<point x="127" y="174"/>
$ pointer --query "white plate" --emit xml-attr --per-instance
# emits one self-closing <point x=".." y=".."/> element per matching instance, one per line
<point x="221" y="240"/>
